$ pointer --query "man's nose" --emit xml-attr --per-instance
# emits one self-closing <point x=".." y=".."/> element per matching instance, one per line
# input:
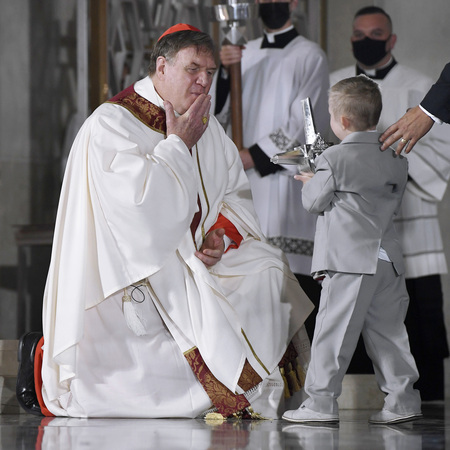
<point x="202" y="79"/>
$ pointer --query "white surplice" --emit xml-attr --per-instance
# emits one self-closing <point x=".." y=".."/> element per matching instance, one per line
<point x="274" y="82"/>
<point x="126" y="205"/>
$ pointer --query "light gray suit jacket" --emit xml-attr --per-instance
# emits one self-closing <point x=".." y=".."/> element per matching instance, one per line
<point x="356" y="190"/>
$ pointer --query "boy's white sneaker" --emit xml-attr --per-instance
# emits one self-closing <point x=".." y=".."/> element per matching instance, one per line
<point x="385" y="416"/>
<point x="305" y="415"/>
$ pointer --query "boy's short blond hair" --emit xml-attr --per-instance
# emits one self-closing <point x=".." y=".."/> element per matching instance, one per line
<point x="358" y="99"/>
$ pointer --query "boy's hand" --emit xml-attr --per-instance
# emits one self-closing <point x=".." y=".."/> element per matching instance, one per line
<point x="304" y="176"/>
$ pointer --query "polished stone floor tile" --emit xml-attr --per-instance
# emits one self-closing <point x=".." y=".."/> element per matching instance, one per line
<point x="24" y="431"/>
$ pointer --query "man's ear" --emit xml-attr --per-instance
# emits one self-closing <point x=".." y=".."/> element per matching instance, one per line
<point x="161" y="63"/>
<point x="391" y="42"/>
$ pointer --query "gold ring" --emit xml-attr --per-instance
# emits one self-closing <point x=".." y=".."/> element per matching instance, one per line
<point x="204" y="120"/>
<point x="402" y="140"/>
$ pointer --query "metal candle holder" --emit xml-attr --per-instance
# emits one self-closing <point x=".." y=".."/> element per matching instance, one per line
<point x="304" y="155"/>
<point x="233" y="16"/>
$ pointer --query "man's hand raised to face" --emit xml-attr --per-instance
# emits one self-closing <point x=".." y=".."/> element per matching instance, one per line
<point x="191" y="125"/>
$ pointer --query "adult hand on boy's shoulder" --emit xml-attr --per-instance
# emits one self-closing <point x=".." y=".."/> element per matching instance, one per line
<point x="304" y="176"/>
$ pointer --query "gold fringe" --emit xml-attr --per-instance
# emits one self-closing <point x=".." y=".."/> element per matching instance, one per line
<point x="254" y="415"/>
<point x="287" y="394"/>
<point x="301" y="373"/>
<point x="293" y="381"/>
<point x="214" y="418"/>
<point x="293" y="375"/>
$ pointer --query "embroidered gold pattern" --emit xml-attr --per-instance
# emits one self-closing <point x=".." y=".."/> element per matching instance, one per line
<point x="249" y="377"/>
<point x="148" y="113"/>
<point x="226" y="402"/>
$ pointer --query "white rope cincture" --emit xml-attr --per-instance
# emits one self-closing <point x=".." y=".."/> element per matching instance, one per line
<point x="133" y="321"/>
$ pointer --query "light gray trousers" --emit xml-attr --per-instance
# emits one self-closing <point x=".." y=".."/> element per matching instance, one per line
<point x="374" y="305"/>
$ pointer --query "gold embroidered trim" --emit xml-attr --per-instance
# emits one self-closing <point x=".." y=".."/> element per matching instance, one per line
<point x="145" y="111"/>
<point x="204" y="193"/>
<point x="254" y="353"/>
<point x="190" y="350"/>
<point x="226" y="402"/>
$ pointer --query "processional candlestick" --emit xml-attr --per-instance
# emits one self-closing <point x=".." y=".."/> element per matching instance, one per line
<point x="233" y="16"/>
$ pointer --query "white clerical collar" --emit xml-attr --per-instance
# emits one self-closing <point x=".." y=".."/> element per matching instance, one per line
<point x="373" y="72"/>
<point x="271" y="36"/>
<point x="145" y="88"/>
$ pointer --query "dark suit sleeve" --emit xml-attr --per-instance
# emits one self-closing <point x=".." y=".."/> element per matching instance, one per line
<point x="437" y="100"/>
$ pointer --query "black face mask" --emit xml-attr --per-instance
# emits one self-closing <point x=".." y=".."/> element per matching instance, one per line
<point x="274" y="15"/>
<point x="369" y="51"/>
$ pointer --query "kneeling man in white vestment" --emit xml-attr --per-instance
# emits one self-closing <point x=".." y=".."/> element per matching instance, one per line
<point x="163" y="298"/>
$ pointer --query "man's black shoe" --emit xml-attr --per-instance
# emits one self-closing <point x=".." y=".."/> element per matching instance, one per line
<point x="25" y="389"/>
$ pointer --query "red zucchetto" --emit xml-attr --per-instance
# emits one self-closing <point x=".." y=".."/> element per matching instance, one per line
<point x="178" y="27"/>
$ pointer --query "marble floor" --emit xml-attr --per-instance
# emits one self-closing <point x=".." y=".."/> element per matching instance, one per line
<point x="22" y="431"/>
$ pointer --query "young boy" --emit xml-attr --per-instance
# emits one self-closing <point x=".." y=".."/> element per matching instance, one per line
<point x="356" y="190"/>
